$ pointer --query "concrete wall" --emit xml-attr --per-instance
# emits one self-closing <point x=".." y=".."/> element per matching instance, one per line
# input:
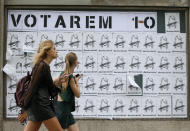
<point x="1" y="64"/>
<point x="98" y="125"/>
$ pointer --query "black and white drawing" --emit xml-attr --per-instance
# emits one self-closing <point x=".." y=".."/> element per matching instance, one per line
<point x="90" y="62"/>
<point x="164" y="84"/>
<point x="105" y="41"/>
<point x="164" y="106"/>
<point x="179" y="63"/>
<point x="164" y="63"/>
<point x="59" y="41"/>
<point x="89" y="106"/>
<point x="75" y="41"/>
<point x="135" y="42"/>
<point x="149" y="64"/>
<point x="135" y="62"/>
<point x="119" y="106"/>
<point x="120" y="42"/>
<point x="179" y="84"/>
<point x="90" y="84"/>
<point x="29" y="41"/>
<point x="149" y="107"/>
<point x="134" y="106"/>
<point x="179" y="106"/>
<point x="105" y="62"/>
<point x="14" y="42"/>
<point x="163" y="44"/>
<point x="172" y="22"/>
<point x="104" y="107"/>
<point x="149" y="42"/>
<point x="120" y="63"/>
<point x="11" y="85"/>
<point x="90" y="41"/>
<point x="104" y="84"/>
<point x="118" y="84"/>
<point x="178" y="42"/>
<point x="149" y="85"/>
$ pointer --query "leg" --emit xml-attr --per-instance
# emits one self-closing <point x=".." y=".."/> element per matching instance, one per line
<point x="73" y="127"/>
<point x="52" y="124"/>
<point x="32" y="126"/>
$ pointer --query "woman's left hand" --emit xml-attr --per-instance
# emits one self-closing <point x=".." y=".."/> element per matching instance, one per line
<point x="78" y="78"/>
<point x="22" y="117"/>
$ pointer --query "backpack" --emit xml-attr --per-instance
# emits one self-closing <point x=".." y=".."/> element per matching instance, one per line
<point x="22" y="87"/>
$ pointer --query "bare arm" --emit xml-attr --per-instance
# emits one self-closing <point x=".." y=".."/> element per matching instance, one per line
<point x="56" y="81"/>
<point x="75" y="87"/>
<point x="60" y="79"/>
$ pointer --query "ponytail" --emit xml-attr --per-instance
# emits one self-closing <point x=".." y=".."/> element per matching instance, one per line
<point x="67" y="67"/>
<point x="69" y="61"/>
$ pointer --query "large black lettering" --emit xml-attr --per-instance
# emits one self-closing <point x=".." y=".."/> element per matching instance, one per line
<point x="15" y="21"/>
<point x="45" y="19"/>
<point x="76" y="21"/>
<point x="105" y="23"/>
<point x="26" y="20"/>
<point x="90" y="20"/>
<point x="60" y="21"/>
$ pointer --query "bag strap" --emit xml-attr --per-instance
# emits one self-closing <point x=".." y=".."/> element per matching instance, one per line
<point x="35" y="76"/>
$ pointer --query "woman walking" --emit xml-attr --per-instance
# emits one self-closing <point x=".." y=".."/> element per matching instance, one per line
<point x="66" y="99"/>
<point x="38" y="101"/>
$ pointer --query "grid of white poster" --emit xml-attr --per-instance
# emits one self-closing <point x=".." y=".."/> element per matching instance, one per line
<point x="105" y="60"/>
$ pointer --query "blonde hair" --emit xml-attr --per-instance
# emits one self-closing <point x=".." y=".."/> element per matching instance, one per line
<point x="70" y="59"/>
<point x="42" y="51"/>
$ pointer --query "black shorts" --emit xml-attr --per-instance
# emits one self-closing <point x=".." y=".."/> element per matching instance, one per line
<point x="64" y="116"/>
<point x="40" y="112"/>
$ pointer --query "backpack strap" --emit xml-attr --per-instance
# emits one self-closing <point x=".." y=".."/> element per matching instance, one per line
<point x="35" y="76"/>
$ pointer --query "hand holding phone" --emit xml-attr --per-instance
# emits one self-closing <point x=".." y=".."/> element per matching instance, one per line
<point x="77" y="77"/>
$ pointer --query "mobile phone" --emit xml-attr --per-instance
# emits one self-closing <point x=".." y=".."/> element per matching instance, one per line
<point x="77" y="75"/>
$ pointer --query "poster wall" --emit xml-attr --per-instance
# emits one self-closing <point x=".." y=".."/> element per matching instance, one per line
<point x="112" y="48"/>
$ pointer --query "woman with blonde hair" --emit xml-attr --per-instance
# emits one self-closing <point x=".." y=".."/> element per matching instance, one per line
<point x="38" y="105"/>
<point x="66" y="98"/>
